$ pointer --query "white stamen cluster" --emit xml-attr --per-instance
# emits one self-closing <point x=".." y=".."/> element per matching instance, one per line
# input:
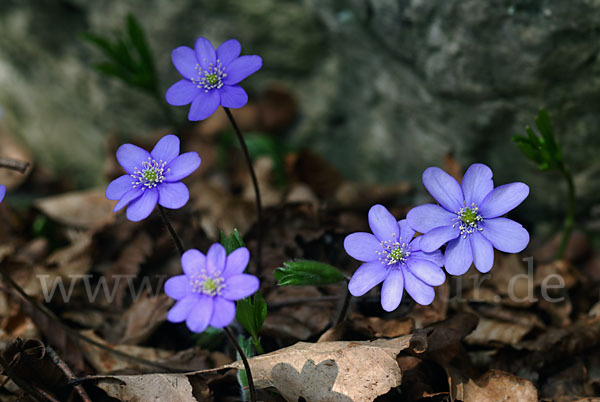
<point x="210" y="78"/>
<point x="206" y="284"/>
<point x="152" y="174"/>
<point x="468" y="218"/>
<point x="393" y="252"/>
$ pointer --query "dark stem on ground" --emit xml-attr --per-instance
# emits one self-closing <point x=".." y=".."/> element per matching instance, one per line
<point x="344" y="308"/>
<point x="19" y="166"/>
<point x="167" y="222"/>
<point x="570" y="218"/>
<point x="256" y="189"/>
<point x="245" y="361"/>
<point x="68" y="373"/>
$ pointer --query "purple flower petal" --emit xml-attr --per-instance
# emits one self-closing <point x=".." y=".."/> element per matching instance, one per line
<point x="417" y="289"/>
<point x="366" y="277"/>
<point x="182" y="166"/>
<point x="182" y="93"/>
<point x="435" y="257"/>
<point x="444" y="188"/>
<point x="242" y="67"/>
<point x="391" y="290"/>
<point x="503" y="199"/>
<point x="477" y="183"/>
<point x="458" y="256"/>
<point x="224" y="313"/>
<point x="115" y="190"/>
<point x="483" y="252"/>
<point x="192" y="262"/>
<point x="505" y="234"/>
<point x="437" y="237"/>
<point x="406" y="232"/>
<point x="233" y="96"/>
<point x="3" y="192"/>
<point x="429" y="216"/>
<point x="383" y="224"/>
<point x="173" y="195"/>
<point x="426" y="271"/>
<point x="184" y="60"/>
<point x="131" y="156"/>
<point x="166" y="149"/>
<point x="228" y="51"/>
<point x="239" y="286"/>
<point x="182" y="309"/>
<point x="129" y="196"/>
<point x="204" y="105"/>
<point x="143" y="206"/>
<point x="205" y="53"/>
<point x="178" y="287"/>
<point x="236" y="262"/>
<point x="201" y="314"/>
<point x="215" y="259"/>
<point x="362" y="246"/>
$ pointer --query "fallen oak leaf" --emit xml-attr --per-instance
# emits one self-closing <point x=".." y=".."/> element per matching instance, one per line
<point x="146" y="387"/>
<point x="328" y="371"/>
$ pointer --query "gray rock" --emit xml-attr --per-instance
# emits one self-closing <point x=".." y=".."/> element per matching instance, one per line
<point x="386" y="87"/>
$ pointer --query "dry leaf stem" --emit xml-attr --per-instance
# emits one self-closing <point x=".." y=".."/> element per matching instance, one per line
<point x="19" y="166"/>
<point x="259" y="222"/>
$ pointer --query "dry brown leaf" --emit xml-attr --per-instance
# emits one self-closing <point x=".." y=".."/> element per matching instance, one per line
<point x="331" y="371"/>
<point x="148" y="387"/>
<point x="143" y="317"/>
<point x="489" y="330"/>
<point x="496" y="385"/>
<point x="85" y="209"/>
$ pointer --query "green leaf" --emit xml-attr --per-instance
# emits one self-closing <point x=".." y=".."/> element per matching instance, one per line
<point x="306" y="272"/>
<point x="543" y="148"/>
<point x="251" y="313"/>
<point x="210" y="339"/>
<point x="232" y="242"/>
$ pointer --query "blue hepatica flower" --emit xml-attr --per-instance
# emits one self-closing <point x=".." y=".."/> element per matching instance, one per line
<point x="206" y="293"/>
<point x="152" y="177"/>
<point x="468" y="218"/>
<point x="211" y="77"/>
<point x="2" y="192"/>
<point x="393" y="257"/>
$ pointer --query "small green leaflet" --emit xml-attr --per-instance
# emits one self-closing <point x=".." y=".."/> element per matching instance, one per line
<point x="232" y="242"/>
<point x="307" y="272"/>
<point x="251" y="313"/>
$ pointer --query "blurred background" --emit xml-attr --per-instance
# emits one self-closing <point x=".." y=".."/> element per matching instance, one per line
<point x="381" y="89"/>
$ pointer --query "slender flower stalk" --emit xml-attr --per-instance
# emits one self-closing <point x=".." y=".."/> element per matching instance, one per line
<point x="570" y="218"/>
<point x="259" y="222"/>
<point x="245" y="361"/>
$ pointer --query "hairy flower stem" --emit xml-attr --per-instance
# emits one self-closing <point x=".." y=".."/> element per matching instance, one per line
<point x="345" y="304"/>
<point x="245" y="361"/>
<point x="256" y="190"/>
<point x="167" y="222"/>
<point x="570" y="218"/>
<point x="19" y="166"/>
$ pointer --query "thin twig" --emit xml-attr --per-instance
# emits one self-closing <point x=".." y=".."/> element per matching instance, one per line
<point x="244" y="147"/>
<point x="167" y="222"/>
<point x="50" y="315"/>
<point x="19" y="166"/>
<point x="68" y="373"/>
<point x="245" y="361"/>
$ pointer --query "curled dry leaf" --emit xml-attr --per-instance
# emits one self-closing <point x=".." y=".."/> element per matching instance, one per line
<point x="331" y="371"/>
<point x="494" y="385"/>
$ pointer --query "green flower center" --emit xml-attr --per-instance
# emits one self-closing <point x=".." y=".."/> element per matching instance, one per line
<point x="211" y="77"/>
<point x="152" y="174"/>
<point x="468" y="218"/>
<point x="208" y="285"/>
<point x="393" y="252"/>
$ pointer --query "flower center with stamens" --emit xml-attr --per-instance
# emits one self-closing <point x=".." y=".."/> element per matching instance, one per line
<point x="211" y="77"/>
<point x="205" y="284"/>
<point x="152" y="174"/>
<point x="393" y="252"/>
<point x="468" y="218"/>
